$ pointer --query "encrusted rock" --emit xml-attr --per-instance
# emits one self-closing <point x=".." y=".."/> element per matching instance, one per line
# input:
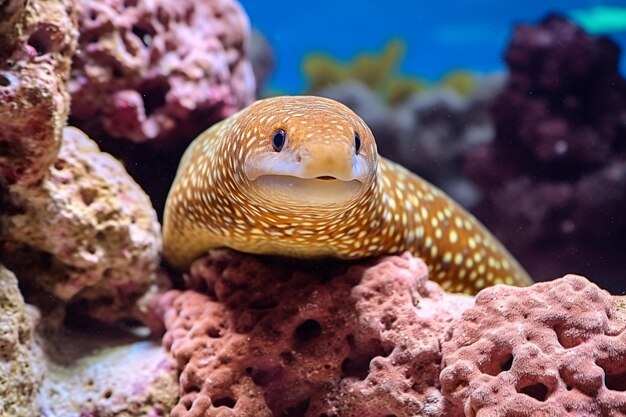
<point x="85" y="232"/>
<point x="553" y="349"/>
<point x="131" y="380"/>
<point x="37" y="41"/>
<point x="159" y="71"/>
<point x="21" y="362"/>
<point x="257" y="339"/>
<point x="555" y="173"/>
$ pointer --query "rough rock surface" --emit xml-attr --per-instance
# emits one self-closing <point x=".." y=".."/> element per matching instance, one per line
<point x="130" y="380"/>
<point x="37" y="41"/>
<point x="553" y="349"/>
<point x="554" y="175"/>
<point x="261" y="340"/>
<point x="159" y="71"/>
<point x="21" y="361"/>
<point x="85" y="232"/>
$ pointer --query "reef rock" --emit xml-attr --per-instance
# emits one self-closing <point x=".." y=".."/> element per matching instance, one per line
<point x="85" y="232"/>
<point x="37" y="41"/>
<point x="553" y="349"/>
<point x="90" y="384"/>
<point x="21" y="361"/>
<point x="554" y="175"/>
<point x="257" y="339"/>
<point x="159" y="71"/>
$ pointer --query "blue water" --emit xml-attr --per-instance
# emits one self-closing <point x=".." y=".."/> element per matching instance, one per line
<point x="440" y="35"/>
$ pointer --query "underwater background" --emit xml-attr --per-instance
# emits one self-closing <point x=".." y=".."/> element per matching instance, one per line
<point x="515" y="109"/>
<point x="439" y="36"/>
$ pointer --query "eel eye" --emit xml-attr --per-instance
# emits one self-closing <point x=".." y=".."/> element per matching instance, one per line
<point x="357" y="143"/>
<point x="278" y="141"/>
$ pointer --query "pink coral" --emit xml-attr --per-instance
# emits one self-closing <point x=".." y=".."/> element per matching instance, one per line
<point x="265" y="340"/>
<point x="159" y="70"/>
<point x="37" y="40"/>
<point x="553" y="349"/>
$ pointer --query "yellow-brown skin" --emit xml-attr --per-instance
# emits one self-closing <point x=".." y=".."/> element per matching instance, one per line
<point x="318" y="196"/>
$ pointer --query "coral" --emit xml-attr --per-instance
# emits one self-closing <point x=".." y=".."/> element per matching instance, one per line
<point x="85" y="232"/>
<point x="377" y="72"/>
<point x="21" y="365"/>
<point x="37" y="40"/>
<point x="553" y="349"/>
<point x="91" y="385"/>
<point x="260" y="339"/>
<point x="380" y="74"/>
<point x="159" y="71"/>
<point x="560" y="138"/>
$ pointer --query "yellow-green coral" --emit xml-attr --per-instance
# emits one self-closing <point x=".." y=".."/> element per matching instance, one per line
<point x="380" y="73"/>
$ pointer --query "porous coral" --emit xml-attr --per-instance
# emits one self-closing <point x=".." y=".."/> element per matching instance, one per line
<point x="555" y="172"/>
<point x="21" y="365"/>
<point x="37" y="40"/>
<point x="85" y="232"/>
<point x="159" y="71"/>
<point x="257" y="339"/>
<point x="553" y="349"/>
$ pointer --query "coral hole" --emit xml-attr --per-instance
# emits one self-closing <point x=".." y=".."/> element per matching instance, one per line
<point x="88" y="195"/>
<point x="308" y="330"/>
<point x="493" y="368"/>
<point x="226" y="401"/>
<point x="4" y="81"/>
<point x="615" y="382"/>
<point x="154" y="95"/>
<point x="537" y="391"/>
<point x="357" y="365"/>
<point x="41" y="41"/>
<point x="566" y="340"/>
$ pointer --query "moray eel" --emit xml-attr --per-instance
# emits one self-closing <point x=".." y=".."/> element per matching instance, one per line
<point x="301" y="177"/>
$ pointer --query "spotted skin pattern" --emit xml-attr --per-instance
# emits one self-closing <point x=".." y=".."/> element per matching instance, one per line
<point x="217" y="199"/>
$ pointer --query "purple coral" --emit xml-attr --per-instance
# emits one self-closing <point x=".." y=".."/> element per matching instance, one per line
<point x="263" y="340"/>
<point x="555" y="173"/>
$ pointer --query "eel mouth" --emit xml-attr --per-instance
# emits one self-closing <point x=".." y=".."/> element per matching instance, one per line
<point x="324" y="189"/>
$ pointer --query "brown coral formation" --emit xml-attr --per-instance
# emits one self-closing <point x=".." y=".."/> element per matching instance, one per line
<point x="257" y="339"/>
<point x="553" y="349"/>
<point x="21" y="365"/>
<point x="85" y="232"/>
<point x="37" y="41"/>
<point x="159" y="71"/>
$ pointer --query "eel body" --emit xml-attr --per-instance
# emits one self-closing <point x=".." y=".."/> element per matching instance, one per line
<point x="301" y="177"/>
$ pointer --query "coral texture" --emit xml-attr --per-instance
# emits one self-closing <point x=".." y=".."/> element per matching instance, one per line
<point x="159" y="71"/>
<point x="86" y="231"/>
<point x="37" y="41"/>
<point x="92" y="386"/>
<point x="553" y="349"/>
<point x="261" y="340"/>
<point x="559" y="155"/>
<point x="21" y="365"/>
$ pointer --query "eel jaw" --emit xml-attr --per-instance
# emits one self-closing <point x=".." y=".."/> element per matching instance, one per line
<point x="324" y="189"/>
